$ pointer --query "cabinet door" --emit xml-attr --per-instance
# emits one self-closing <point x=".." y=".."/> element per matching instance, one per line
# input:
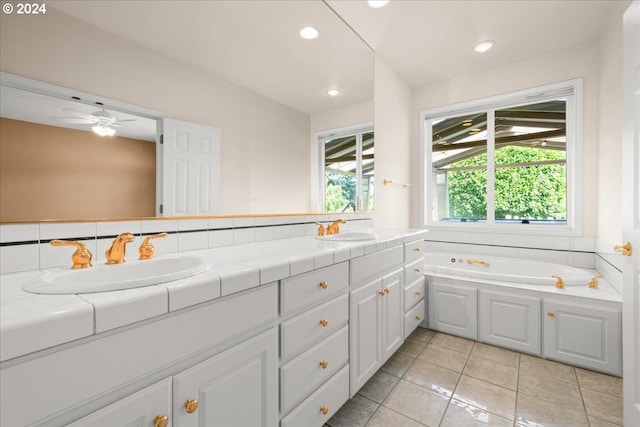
<point x="511" y="321"/>
<point x="238" y="387"/>
<point x="392" y="315"/>
<point x="583" y="335"/>
<point x="139" y="409"/>
<point x="364" y="324"/>
<point x="453" y="309"/>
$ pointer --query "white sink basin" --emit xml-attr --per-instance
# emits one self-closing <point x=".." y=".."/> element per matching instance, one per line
<point x="349" y="236"/>
<point x="131" y="274"/>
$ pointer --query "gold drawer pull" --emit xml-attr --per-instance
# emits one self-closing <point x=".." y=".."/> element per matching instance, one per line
<point x="324" y="285"/>
<point x="324" y="323"/>
<point x="418" y="318"/>
<point x="324" y="364"/>
<point x="161" y="421"/>
<point x="191" y="405"/>
<point x="324" y="410"/>
<point x="418" y="293"/>
<point x="550" y="313"/>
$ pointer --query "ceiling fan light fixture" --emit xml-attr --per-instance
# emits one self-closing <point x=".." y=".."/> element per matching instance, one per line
<point x="484" y="46"/>
<point x="103" y="130"/>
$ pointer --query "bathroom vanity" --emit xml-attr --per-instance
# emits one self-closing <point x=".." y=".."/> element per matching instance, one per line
<point x="285" y="337"/>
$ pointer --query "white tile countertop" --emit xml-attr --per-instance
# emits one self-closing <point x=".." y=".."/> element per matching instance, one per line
<point x="32" y="322"/>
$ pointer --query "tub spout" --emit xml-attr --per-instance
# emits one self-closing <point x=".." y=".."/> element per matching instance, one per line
<point x="593" y="283"/>
<point x="559" y="281"/>
<point x="478" y="262"/>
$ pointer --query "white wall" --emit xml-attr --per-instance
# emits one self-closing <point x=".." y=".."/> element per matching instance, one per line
<point x="581" y="61"/>
<point x="394" y="143"/>
<point x="263" y="142"/>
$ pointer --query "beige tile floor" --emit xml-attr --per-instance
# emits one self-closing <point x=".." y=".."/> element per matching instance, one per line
<point x="439" y="380"/>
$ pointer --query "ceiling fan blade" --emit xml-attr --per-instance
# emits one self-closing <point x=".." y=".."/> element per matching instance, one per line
<point x="71" y="120"/>
<point x="78" y="113"/>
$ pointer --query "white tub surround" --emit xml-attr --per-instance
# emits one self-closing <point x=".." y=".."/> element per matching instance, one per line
<point x="141" y="353"/>
<point x="577" y="325"/>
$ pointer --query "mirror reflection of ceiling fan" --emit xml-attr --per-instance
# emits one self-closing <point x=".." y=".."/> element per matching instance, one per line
<point x="104" y="123"/>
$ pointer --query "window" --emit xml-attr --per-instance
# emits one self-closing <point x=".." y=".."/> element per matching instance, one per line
<point x="348" y="170"/>
<point x="507" y="161"/>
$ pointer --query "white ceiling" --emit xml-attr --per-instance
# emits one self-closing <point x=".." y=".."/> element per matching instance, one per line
<point x="254" y="43"/>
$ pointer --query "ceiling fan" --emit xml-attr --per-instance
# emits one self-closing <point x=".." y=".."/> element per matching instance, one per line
<point x="103" y="122"/>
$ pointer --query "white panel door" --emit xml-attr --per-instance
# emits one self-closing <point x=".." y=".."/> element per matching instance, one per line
<point x="239" y="387"/>
<point x="392" y="314"/>
<point x="188" y="172"/>
<point x="364" y="325"/>
<point x="631" y="214"/>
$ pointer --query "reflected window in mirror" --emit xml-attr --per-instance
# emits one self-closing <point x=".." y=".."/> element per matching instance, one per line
<point x="348" y="167"/>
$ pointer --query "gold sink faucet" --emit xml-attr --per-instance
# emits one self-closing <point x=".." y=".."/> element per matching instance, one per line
<point x="321" y="230"/>
<point x="146" y="248"/>
<point x="334" y="228"/>
<point x="81" y="258"/>
<point x="115" y="253"/>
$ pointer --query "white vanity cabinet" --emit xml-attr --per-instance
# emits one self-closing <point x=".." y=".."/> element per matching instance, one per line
<point x="376" y="315"/>
<point x="583" y="335"/>
<point x="453" y="309"/>
<point x="150" y="406"/>
<point x="510" y="320"/>
<point x="414" y="286"/>
<point x="238" y="387"/>
<point x="314" y="345"/>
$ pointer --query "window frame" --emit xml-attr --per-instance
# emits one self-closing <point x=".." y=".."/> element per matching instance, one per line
<point x="573" y="91"/>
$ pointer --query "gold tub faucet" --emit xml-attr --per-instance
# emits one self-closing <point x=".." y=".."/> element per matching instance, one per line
<point x="321" y="230"/>
<point x="115" y="253"/>
<point x="81" y="258"/>
<point x="478" y="262"/>
<point x="593" y="283"/>
<point x="334" y="228"/>
<point x="146" y="248"/>
<point x="559" y="281"/>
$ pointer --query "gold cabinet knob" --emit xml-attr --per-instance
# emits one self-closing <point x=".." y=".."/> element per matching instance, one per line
<point x="418" y="293"/>
<point x="161" y="421"/>
<point x="625" y="250"/>
<point x="324" y="364"/>
<point x="416" y="249"/>
<point x="324" y="323"/>
<point x="324" y="285"/>
<point x="191" y="405"/>
<point x="324" y="410"/>
<point x="417" y="270"/>
<point x="418" y="318"/>
<point x="387" y="290"/>
<point x="550" y="313"/>
<point x="382" y="293"/>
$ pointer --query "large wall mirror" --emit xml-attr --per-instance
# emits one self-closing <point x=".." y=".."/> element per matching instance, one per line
<point x="238" y="66"/>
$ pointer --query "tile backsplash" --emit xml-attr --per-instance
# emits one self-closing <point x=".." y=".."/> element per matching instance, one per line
<point x="25" y="247"/>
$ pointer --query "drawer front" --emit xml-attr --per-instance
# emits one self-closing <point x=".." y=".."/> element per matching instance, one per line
<point x="328" y="398"/>
<point x="303" y="374"/>
<point x="414" y="292"/>
<point x="313" y="326"/>
<point x="370" y="267"/>
<point x="413" y="251"/>
<point x="413" y="318"/>
<point x="312" y="287"/>
<point x="413" y="271"/>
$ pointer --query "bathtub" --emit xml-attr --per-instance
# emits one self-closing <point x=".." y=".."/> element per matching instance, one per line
<point x="503" y="269"/>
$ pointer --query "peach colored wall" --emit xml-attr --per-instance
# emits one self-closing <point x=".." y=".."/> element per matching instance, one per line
<point x="47" y="172"/>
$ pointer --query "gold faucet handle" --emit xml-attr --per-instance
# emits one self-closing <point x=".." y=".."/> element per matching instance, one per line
<point x="559" y="281"/>
<point x="81" y="258"/>
<point x="593" y="283"/>
<point x="321" y="230"/>
<point x="146" y="249"/>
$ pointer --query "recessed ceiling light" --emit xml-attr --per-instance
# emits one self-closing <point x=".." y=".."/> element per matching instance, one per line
<point x="333" y="92"/>
<point x="484" y="46"/>
<point x="309" y="33"/>
<point x="377" y="3"/>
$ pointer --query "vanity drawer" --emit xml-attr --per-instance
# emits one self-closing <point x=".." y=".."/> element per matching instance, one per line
<point x="414" y="292"/>
<point x="414" y="251"/>
<point x="369" y="267"/>
<point x="328" y="398"/>
<point x="313" y="326"/>
<point x="312" y="287"/>
<point x="413" y="318"/>
<point x="307" y="371"/>
<point x="413" y="271"/>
